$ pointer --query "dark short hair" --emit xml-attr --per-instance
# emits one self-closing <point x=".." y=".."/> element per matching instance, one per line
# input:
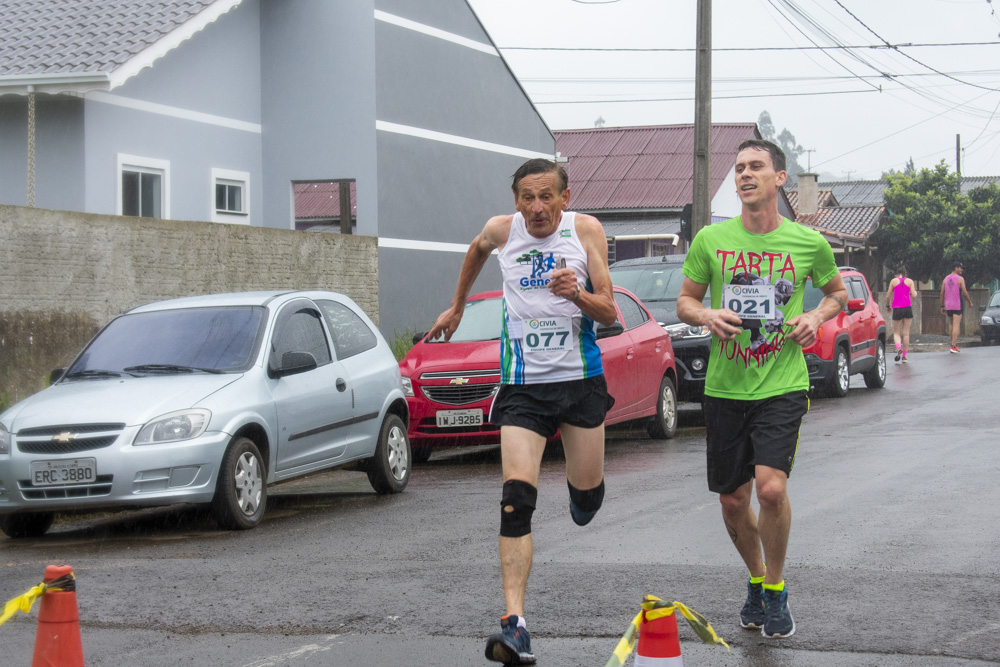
<point x="777" y="155"/>
<point x="539" y="166"/>
<point x="957" y="265"/>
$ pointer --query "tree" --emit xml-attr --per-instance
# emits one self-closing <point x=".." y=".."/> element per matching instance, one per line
<point x="931" y="224"/>
<point x="786" y="140"/>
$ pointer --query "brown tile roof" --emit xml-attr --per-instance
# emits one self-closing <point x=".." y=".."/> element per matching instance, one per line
<point x="851" y="222"/>
<point x="321" y="200"/>
<point x="826" y="198"/>
<point x="644" y="167"/>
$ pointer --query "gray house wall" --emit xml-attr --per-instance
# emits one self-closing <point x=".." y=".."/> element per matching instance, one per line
<point x="437" y="193"/>
<point x="318" y="102"/>
<point x="215" y="72"/>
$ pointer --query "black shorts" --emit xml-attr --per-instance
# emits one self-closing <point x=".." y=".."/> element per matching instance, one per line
<point x="543" y="407"/>
<point x="744" y="434"/>
<point x="954" y="312"/>
<point x="902" y="313"/>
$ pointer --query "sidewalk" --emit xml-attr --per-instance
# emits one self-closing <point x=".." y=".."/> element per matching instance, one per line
<point x="932" y="342"/>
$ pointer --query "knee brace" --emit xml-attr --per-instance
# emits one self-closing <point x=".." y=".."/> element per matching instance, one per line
<point x="583" y="505"/>
<point x="516" y="507"/>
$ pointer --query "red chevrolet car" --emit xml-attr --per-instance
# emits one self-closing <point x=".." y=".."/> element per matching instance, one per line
<point x="852" y="342"/>
<point x="450" y="386"/>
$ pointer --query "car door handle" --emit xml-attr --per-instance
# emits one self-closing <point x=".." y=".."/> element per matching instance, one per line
<point x="630" y="352"/>
<point x="341" y="385"/>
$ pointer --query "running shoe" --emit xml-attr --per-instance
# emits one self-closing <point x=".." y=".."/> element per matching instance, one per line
<point x="778" y="621"/>
<point x="954" y="350"/>
<point x="512" y="645"/>
<point x="905" y="360"/>
<point x="752" y="614"/>
<point x="899" y="353"/>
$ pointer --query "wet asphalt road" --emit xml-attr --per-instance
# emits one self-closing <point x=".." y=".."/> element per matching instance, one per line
<point x="894" y="555"/>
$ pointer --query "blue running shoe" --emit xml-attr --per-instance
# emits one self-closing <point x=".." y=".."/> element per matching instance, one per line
<point x="580" y="517"/>
<point x="778" y="621"/>
<point x="512" y="645"/>
<point x="752" y="614"/>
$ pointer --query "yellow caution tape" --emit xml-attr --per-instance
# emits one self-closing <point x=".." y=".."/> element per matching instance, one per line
<point x="25" y="602"/>
<point x="654" y="608"/>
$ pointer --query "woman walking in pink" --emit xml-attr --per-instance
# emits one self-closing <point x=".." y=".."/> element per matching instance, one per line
<point x="899" y="297"/>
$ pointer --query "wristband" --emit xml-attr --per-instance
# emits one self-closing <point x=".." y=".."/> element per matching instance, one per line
<point x="577" y="295"/>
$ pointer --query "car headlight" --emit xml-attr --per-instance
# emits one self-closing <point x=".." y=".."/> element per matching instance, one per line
<point x="407" y="385"/>
<point x="4" y="440"/>
<point x="682" y="331"/>
<point x="986" y="319"/>
<point x="174" y="426"/>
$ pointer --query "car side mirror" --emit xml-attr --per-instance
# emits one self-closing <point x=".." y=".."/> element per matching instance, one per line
<point x="55" y="375"/>
<point x="293" y="363"/>
<point x="419" y="336"/>
<point x="613" y="330"/>
<point x="854" y="305"/>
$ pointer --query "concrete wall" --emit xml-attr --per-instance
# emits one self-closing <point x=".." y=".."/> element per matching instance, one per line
<point x="64" y="275"/>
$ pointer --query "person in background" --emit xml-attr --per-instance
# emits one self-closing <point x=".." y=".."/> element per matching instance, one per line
<point x="952" y="291"/>
<point x="899" y="297"/>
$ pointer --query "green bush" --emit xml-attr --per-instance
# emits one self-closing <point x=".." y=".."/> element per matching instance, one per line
<point x="401" y="342"/>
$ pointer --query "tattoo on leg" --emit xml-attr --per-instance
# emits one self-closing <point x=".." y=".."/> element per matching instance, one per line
<point x="733" y="535"/>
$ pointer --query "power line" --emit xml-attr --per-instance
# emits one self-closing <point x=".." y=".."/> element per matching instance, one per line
<point x="714" y="97"/>
<point x="885" y="46"/>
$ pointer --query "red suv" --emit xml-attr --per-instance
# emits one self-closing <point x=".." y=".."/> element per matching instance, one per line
<point x="450" y="386"/>
<point x="852" y="342"/>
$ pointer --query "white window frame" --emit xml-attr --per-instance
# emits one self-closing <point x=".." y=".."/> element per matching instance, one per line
<point x="231" y="177"/>
<point x="144" y="165"/>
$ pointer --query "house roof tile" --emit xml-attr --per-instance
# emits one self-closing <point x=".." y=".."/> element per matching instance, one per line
<point x="93" y="36"/>
<point x="643" y="167"/>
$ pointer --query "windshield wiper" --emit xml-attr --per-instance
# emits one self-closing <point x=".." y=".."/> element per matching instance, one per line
<point x="168" y="368"/>
<point x="94" y="373"/>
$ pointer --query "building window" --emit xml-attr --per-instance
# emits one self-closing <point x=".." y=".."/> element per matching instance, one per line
<point x="143" y="187"/>
<point x="230" y="196"/>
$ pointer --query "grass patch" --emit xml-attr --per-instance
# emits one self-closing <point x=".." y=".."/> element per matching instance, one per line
<point x="401" y="342"/>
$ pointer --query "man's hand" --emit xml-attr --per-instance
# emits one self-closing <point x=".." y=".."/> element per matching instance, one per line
<point x="446" y="324"/>
<point x="724" y="324"/>
<point x="805" y="327"/>
<point x="563" y="283"/>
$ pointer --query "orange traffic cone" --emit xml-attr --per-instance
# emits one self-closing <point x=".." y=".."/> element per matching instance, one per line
<point x="659" y="645"/>
<point x="57" y="642"/>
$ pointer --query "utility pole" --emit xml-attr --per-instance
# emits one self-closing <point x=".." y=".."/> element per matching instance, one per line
<point x="701" y="209"/>
<point x="958" y="156"/>
<point x="809" y="158"/>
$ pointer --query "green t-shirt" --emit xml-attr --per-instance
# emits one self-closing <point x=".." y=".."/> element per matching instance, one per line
<point x="766" y="273"/>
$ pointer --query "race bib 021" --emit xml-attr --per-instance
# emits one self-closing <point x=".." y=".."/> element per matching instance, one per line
<point x="750" y="301"/>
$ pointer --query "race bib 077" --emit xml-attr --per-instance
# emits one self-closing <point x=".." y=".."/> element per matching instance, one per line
<point x="547" y="334"/>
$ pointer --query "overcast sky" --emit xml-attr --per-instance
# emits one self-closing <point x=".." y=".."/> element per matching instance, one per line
<point x="854" y="129"/>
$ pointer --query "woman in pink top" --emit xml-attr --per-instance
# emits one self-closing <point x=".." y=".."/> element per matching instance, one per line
<point x="899" y="297"/>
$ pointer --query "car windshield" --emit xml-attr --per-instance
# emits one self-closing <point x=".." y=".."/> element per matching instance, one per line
<point x="650" y="283"/>
<point x="995" y="301"/>
<point x="165" y="341"/>
<point x="482" y="321"/>
<point x="811" y="297"/>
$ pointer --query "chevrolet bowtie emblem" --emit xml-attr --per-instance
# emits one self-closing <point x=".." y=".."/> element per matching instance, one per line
<point x="63" y="437"/>
<point x="459" y="381"/>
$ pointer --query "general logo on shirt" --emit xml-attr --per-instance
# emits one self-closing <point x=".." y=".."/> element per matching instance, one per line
<point x="540" y="265"/>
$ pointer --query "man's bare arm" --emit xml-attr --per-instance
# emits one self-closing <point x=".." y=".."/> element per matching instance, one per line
<point x="599" y="306"/>
<point x="475" y="259"/>
<point x="722" y="322"/>
<point x="807" y="324"/>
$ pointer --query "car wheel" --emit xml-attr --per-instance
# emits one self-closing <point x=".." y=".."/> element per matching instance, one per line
<point x="840" y="381"/>
<point x="241" y="491"/>
<point x="664" y="424"/>
<point x="875" y="376"/>
<point x="26" y="524"/>
<point x="389" y="470"/>
<point x="421" y="454"/>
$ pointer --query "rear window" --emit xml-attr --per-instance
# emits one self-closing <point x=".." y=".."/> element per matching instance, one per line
<point x="652" y="283"/>
<point x="811" y="297"/>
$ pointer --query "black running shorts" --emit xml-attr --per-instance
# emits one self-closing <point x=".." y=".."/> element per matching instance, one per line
<point x="543" y="407"/>
<point x="744" y="434"/>
<point x="905" y="313"/>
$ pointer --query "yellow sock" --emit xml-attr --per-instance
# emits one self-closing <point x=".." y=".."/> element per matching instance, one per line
<point x="775" y="587"/>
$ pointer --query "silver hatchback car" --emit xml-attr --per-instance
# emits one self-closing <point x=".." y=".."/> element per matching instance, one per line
<point x="207" y="399"/>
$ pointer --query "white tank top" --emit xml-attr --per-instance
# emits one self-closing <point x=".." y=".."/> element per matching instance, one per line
<point x="546" y="338"/>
